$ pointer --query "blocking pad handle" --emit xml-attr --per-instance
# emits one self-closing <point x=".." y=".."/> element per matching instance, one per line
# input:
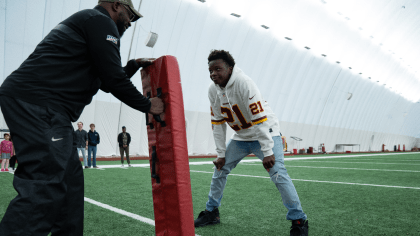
<point x="154" y="158"/>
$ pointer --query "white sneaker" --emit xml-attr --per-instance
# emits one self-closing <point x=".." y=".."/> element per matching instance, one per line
<point x="122" y="165"/>
<point x="129" y="165"/>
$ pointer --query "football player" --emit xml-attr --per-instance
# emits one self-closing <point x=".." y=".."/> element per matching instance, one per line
<point x="236" y="100"/>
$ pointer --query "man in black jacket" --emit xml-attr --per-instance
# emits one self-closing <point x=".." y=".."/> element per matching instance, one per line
<point x="44" y="95"/>
<point x="124" y="140"/>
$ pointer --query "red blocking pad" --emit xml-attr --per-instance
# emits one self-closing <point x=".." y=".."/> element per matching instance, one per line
<point x="168" y="153"/>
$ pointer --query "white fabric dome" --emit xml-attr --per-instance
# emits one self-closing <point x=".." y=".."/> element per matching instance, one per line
<point x="294" y="63"/>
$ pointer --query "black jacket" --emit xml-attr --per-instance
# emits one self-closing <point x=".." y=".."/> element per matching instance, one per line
<point x="93" y="138"/>
<point x="120" y="139"/>
<point x="77" y="58"/>
<point x="81" y="137"/>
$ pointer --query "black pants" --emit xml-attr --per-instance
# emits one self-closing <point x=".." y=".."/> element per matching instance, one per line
<point x="49" y="179"/>
<point x="12" y="161"/>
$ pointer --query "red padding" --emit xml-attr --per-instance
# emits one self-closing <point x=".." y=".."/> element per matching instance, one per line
<point x="172" y="198"/>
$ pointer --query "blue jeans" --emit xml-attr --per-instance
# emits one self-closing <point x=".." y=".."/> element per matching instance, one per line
<point x="84" y="155"/>
<point x="235" y="152"/>
<point x="90" y="150"/>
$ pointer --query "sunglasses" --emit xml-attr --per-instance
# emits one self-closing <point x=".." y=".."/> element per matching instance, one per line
<point x="130" y="14"/>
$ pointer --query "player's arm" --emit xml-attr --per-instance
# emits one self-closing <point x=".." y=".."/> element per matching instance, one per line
<point x="218" y="124"/>
<point x="255" y="103"/>
<point x="102" y="39"/>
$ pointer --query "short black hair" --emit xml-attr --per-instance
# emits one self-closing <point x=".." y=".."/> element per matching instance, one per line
<point x="221" y="54"/>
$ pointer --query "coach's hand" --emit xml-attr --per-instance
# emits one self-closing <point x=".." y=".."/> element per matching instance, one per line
<point x="157" y="106"/>
<point x="268" y="162"/>
<point x="145" y="62"/>
<point x="219" y="163"/>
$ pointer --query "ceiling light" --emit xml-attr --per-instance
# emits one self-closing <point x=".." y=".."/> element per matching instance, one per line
<point x="287" y="38"/>
<point x="307" y="47"/>
<point x="337" y="62"/>
<point x="203" y="1"/>
<point x="265" y="27"/>
<point x="323" y="55"/>
<point x="235" y="15"/>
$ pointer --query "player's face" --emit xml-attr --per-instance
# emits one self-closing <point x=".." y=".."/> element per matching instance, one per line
<point x="220" y="72"/>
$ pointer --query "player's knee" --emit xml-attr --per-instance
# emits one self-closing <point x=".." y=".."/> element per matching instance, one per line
<point x="278" y="177"/>
<point x="222" y="173"/>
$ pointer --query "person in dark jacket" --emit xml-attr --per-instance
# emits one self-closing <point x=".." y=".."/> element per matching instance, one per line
<point x="124" y="140"/>
<point x="81" y="137"/>
<point x="93" y="140"/>
<point x="44" y="95"/>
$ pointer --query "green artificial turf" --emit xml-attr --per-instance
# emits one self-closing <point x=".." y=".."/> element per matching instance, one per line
<point x="253" y="206"/>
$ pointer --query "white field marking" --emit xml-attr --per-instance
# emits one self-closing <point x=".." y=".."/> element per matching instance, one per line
<point x="122" y="212"/>
<point x="316" y="181"/>
<point x="345" y="156"/>
<point x="405" y="160"/>
<point x="339" y="162"/>
<point x="119" y="166"/>
<point x="339" y="168"/>
<point x="258" y="160"/>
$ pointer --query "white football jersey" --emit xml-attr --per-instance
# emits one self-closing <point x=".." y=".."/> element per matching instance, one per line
<point x="242" y="107"/>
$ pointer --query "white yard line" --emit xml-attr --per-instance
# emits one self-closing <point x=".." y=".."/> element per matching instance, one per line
<point x="316" y="181"/>
<point x="339" y="168"/>
<point x="122" y="212"/>
<point x="258" y="160"/>
<point x="346" y="156"/>
<point x="376" y="163"/>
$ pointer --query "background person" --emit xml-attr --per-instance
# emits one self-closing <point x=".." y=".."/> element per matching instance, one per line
<point x="235" y="99"/>
<point x="124" y="140"/>
<point x="81" y="137"/>
<point x="44" y="95"/>
<point x="93" y="140"/>
<point x="6" y="151"/>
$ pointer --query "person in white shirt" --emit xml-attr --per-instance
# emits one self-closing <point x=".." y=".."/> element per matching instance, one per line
<point x="236" y="100"/>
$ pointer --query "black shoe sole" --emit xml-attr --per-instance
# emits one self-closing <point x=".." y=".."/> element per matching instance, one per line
<point x="208" y="223"/>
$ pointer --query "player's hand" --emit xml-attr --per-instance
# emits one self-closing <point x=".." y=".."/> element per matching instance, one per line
<point x="145" y="62"/>
<point x="219" y="163"/>
<point x="268" y="162"/>
<point x="157" y="106"/>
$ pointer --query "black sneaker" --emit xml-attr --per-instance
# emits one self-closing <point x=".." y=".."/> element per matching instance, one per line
<point x="299" y="228"/>
<point x="207" y="218"/>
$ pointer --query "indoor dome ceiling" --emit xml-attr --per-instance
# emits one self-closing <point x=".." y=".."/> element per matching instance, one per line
<point x="376" y="39"/>
<point x="331" y="70"/>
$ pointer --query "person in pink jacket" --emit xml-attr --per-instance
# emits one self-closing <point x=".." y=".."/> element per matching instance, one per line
<point x="6" y="151"/>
